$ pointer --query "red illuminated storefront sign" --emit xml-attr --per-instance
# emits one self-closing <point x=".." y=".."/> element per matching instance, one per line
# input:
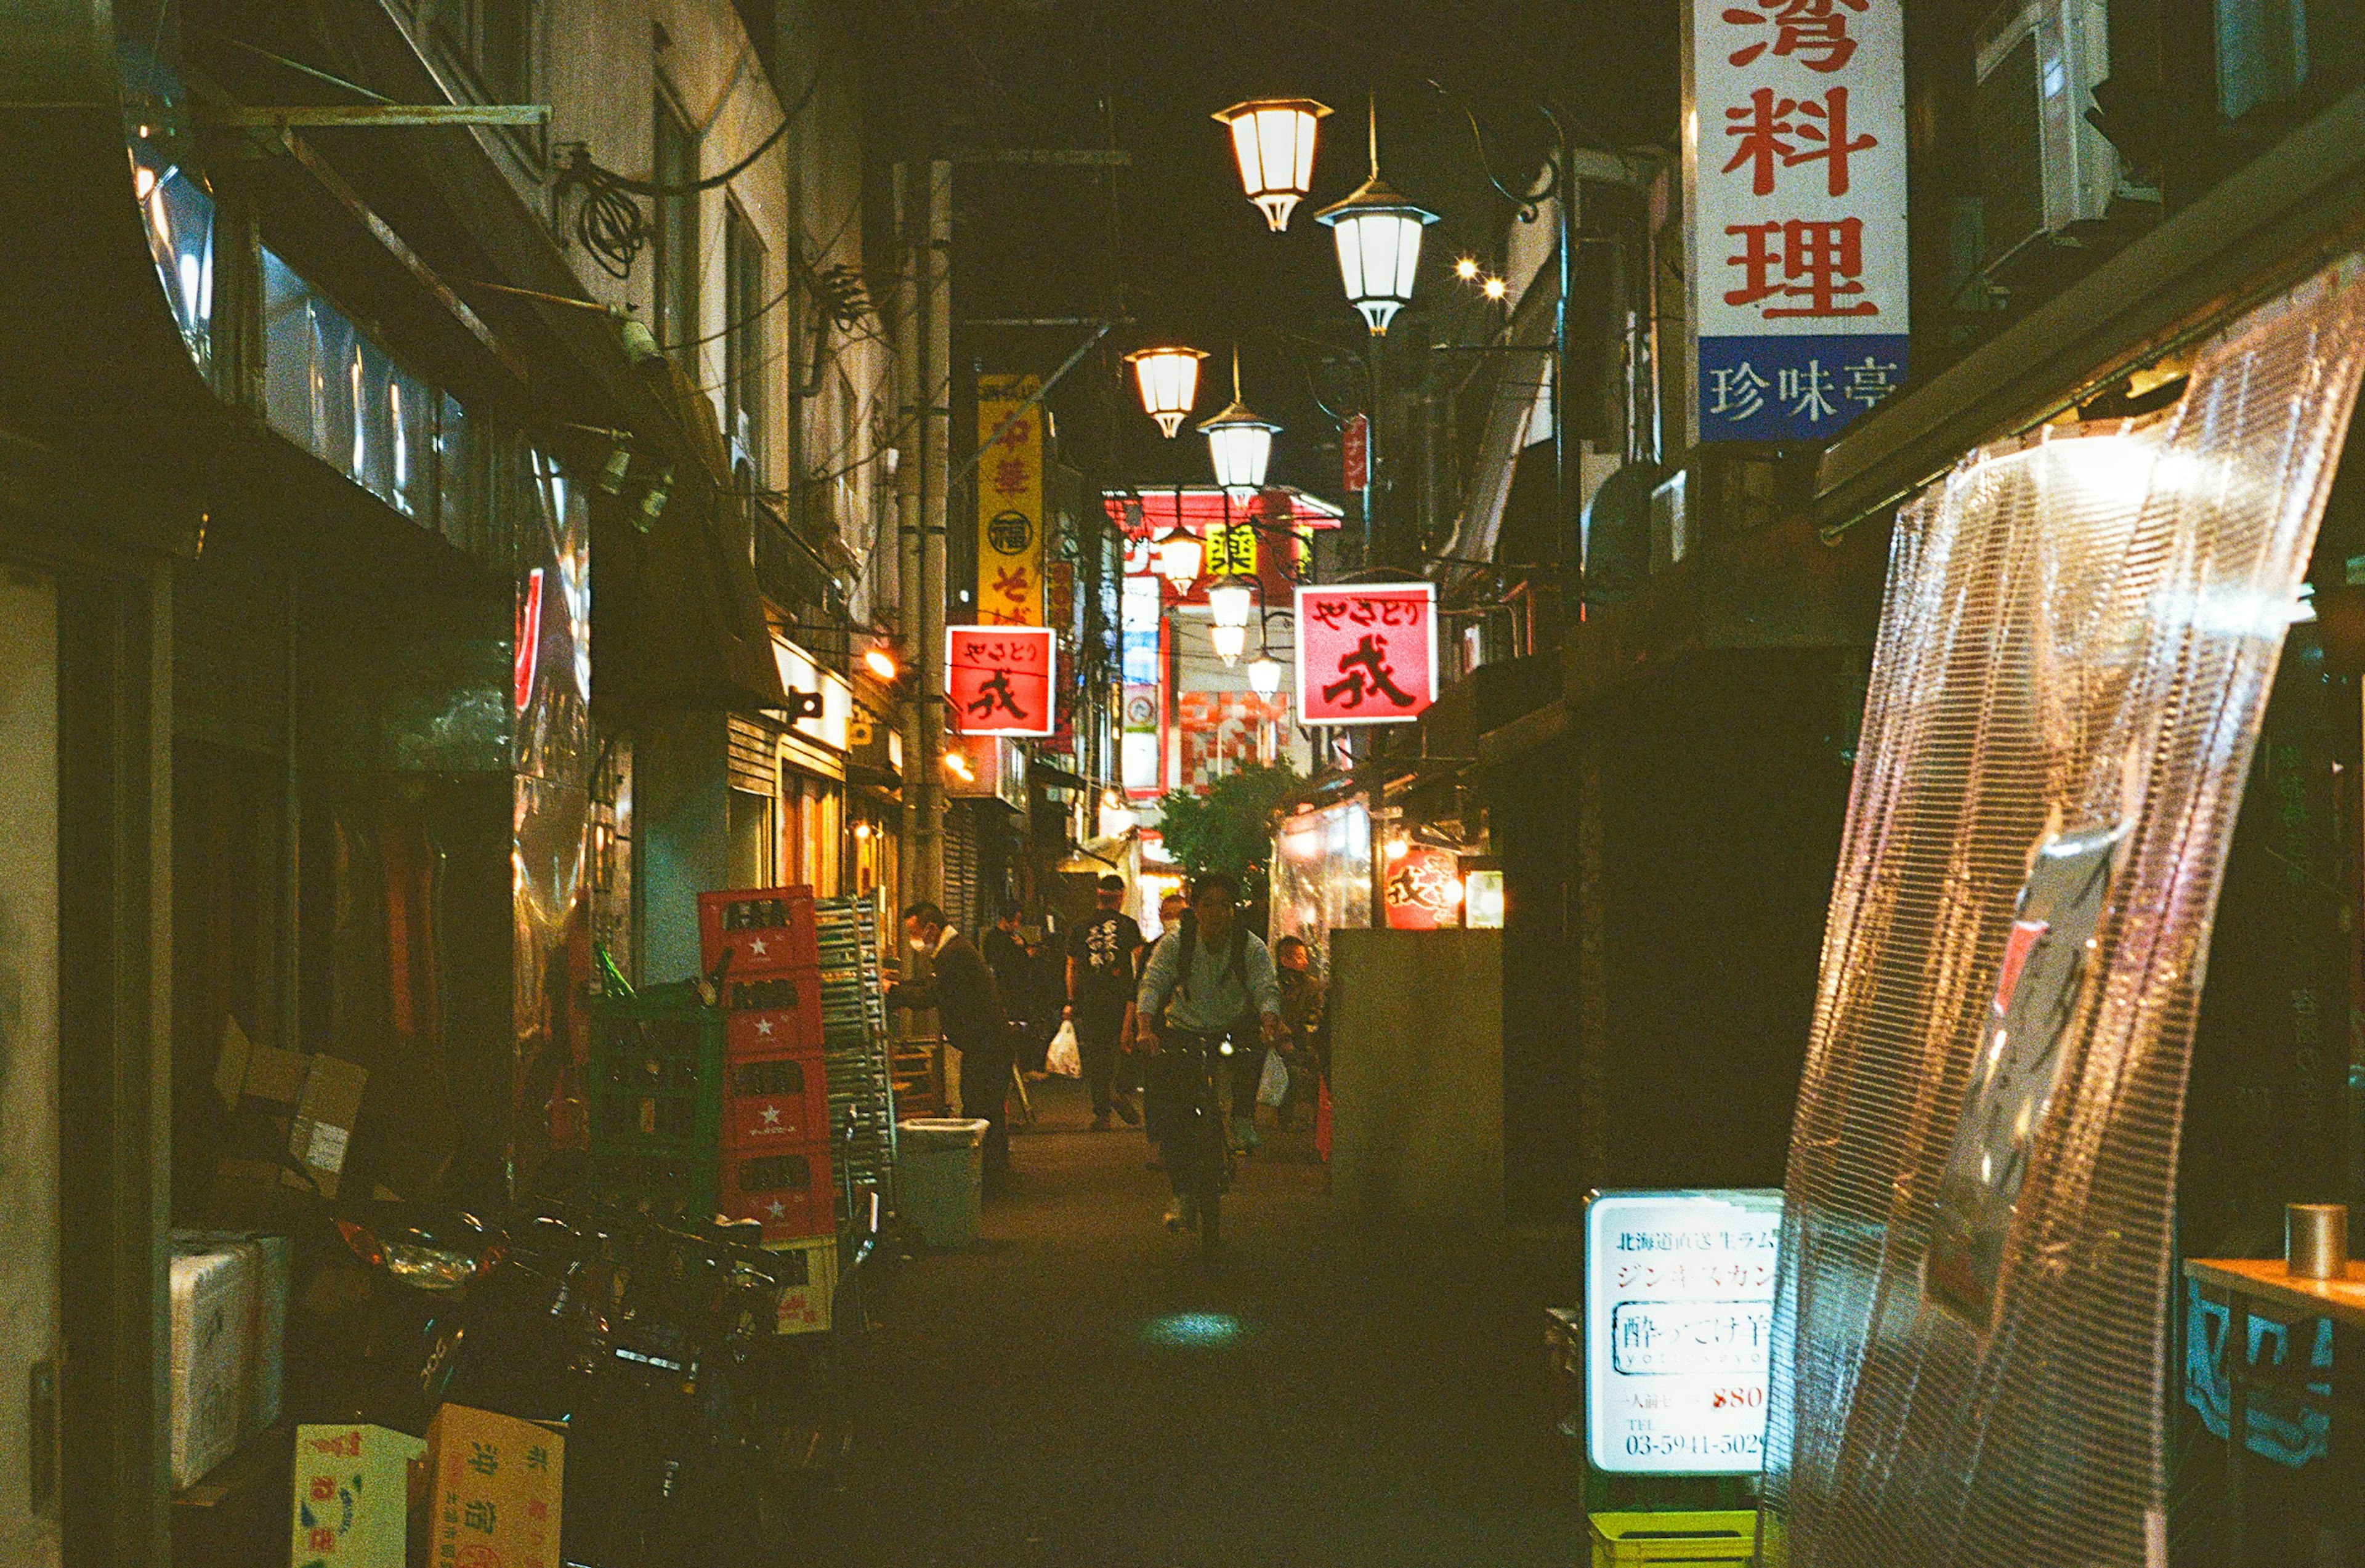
<point x="998" y="680"/>
<point x="1366" y="654"/>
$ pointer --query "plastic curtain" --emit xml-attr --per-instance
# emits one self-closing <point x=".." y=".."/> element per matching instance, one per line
<point x="2079" y="636"/>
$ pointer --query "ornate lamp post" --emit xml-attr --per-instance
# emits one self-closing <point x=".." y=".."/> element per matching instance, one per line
<point x="1169" y="380"/>
<point x="1273" y="141"/>
<point x="1378" y="235"/>
<point x="1239" y="443"/>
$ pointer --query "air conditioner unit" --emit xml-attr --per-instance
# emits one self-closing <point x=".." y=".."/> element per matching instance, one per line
<point x="2042" y="167"/>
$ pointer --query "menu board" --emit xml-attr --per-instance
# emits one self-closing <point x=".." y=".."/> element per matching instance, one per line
<point x="1678" y="1310"/>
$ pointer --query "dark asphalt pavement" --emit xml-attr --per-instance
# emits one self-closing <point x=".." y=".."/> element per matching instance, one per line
<point x="1076" y="1392"/>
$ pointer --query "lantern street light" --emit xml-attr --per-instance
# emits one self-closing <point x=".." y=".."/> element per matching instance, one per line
<point x="1229" y="601"/>
<point x="1264" y="675"/>
<point x="1169" y="379"/>
<point x="1273" y="141"/>
<point x="1239" y="442"/>
<point x="1230" y="642"/>
<point x="1378" y="234"/>
<point x="1178" y="556"/>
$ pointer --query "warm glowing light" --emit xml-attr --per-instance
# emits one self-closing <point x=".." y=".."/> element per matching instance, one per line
<point x="880" y="663"/>
<point x="1378" y="235"/>
<point x="1272" y="141"/>
<point x="958" y="765"/>
<point x="1466" y="269"/>
<point x="1495" y="288"/>
<point x="862" y="830"/>
<point x="1230" y="599"/>
<point x="1169" y="381"/>
<point x="1239" y="442"/>
<point x="1398" y="848"/>
<point x="1180" y="555"/>
<point x="1264" y="676"/>
<point x="1230" y="642"/>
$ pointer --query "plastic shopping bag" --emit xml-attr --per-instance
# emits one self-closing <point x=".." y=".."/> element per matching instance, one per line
<point x="1064" y="1058"/>
<point x="1272" y="1084"/>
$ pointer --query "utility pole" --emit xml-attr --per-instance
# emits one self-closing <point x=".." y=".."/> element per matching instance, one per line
<point x="911" y="395"/>
<point x="937" y="388"/>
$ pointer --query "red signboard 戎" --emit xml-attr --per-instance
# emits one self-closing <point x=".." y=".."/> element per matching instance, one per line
<point x="1366" y="653"/>
<point x="998" y="680"/>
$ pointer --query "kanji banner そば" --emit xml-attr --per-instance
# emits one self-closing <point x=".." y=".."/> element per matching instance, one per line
<point x="1010" y="502"/>
<point x="1366" y="653"/>
<point x="1795" y="171"/>
<point x="998" y="680"/>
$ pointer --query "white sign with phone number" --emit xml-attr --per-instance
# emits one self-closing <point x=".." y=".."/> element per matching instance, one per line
<point x="1678" y="1309"/>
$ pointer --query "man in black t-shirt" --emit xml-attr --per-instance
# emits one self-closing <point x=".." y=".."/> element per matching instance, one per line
<point x="1101" y="981"/>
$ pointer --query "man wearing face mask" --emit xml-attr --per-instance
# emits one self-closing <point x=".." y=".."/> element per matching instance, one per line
<point x="969" y="1008"/>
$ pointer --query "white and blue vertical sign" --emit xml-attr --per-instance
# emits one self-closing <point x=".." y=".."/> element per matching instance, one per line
<point x="1794" y="164"/>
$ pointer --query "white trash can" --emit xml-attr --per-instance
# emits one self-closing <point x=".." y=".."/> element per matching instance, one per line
<point x="940" y="1177"/>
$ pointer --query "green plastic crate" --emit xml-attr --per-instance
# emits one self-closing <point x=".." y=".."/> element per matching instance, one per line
<point x="1629" y="1541"/>
<point x="656" y="1078"/>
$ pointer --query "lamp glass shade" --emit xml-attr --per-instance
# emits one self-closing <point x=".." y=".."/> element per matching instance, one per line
<point x="1240" y="449"/>
<point x="1168" y="381"/>
<point x="1179" y="556"/>
<point x="1378" y="235"/>
<point x="1272" y="141"/>
<point x="1264" y="676"/>
<point x="1230" y="601"/>
<point x="1230" y="642"/>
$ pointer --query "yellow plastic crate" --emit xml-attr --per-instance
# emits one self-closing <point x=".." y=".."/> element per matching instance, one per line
<point x="1629" y="1541"/>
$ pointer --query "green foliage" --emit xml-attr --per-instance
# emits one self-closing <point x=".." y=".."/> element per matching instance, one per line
<point x="1226" y="829"/>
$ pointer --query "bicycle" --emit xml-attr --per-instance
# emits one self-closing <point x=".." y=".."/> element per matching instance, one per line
<point x="1198" y="1150"/>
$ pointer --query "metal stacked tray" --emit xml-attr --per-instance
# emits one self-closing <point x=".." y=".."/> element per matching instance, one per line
<point x="854" y="1042"/>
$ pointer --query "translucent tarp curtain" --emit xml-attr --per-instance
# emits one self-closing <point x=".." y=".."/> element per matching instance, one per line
<point x="2079" y="636"/>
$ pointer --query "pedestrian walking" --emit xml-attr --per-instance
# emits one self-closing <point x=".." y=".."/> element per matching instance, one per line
<point x="1012" y="958"/>
<point x="1304" y="1017"/>
<point x="969" y="1008"/>
<point x="1102" y="976"/>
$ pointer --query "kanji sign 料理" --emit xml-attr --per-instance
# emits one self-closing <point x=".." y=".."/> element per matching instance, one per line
<point x="998" y="680"/>
<point x="1366" y="653"/>
<point x="1009" y="502"/>
<point x="1796" y="175"/>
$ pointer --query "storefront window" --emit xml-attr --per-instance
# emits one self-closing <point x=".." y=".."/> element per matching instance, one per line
<point x="1322" y="874"/>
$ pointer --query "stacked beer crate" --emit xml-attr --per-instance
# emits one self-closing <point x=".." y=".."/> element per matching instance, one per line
<point x="775" y="1161"/>
<point x="656" y="1098"/>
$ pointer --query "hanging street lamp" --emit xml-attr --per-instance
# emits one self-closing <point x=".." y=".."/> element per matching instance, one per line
<point x="1229" y="600"/>
<point x="1179" y="556"/>
<point x="1169" y="380"/>
<point x="1239" y="442"/>
<point x="1378" y="234"/>
<point x="1264" y="675"/>
<point x="1273" y="141"/>
<point x="1230" y="642"/>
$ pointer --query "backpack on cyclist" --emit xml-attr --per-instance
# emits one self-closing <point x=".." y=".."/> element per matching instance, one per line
<point x="1233" y="961"/>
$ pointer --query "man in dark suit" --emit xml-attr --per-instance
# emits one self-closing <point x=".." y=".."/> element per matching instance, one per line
<point x="969" y="1008"/>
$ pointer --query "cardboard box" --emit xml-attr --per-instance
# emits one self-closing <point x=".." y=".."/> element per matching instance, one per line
<point x="216" y="1311"/>
<point x="325" y="1112"/>
<point x="808" y="1272"/>
<point x="493" y="1497"/>
<point x="244" y="1070"/>
<point x="274" y="1263"/>
<point x="353" y="1496"/>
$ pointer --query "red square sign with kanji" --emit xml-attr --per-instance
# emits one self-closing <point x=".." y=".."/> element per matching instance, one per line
<point x="998" y="680"/>
<point x="1366" y="653"/>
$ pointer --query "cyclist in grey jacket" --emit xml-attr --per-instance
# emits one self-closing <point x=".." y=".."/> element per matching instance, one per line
<point x="1210" y="982"/>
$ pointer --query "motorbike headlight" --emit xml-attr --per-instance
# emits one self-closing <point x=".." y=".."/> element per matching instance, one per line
<point x="429" y="1268"/>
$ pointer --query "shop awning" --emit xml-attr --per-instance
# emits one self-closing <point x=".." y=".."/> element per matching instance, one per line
<point x="2257" y="232"/>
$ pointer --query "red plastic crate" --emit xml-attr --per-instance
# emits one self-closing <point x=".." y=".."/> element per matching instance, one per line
<point x="787" y="1192"/>
<point x="764" y="1032"/>
<point x="779" y="1103"/>
<point x="765" y="930"/>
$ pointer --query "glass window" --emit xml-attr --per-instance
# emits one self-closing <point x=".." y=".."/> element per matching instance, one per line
<point x="178" y="213"/>
<point x="674" y="163"/>
<point x="742" y="341"/>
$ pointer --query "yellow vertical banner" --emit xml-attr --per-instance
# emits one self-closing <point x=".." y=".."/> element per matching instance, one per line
<point x="1009" y="502"/>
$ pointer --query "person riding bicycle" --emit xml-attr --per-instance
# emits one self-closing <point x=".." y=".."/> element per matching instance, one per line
<point x="1210" y="981"/>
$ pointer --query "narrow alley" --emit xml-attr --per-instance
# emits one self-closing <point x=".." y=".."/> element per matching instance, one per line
<point x="1076" y="1390"/>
